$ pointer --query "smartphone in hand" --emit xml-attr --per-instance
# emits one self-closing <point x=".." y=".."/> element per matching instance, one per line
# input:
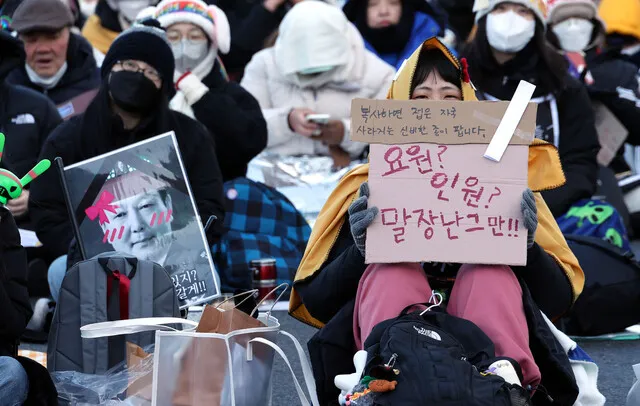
<point x="320" y="119"/>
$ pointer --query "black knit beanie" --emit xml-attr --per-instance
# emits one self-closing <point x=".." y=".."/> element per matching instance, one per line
<point x="145" y="41"/>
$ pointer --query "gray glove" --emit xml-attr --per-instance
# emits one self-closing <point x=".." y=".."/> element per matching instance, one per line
<point x="361" y="217"/>
<point x="530" y="215"/>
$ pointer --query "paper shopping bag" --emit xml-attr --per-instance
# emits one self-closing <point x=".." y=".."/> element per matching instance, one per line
<point x="205" y="363"/>
<point x="137" y="361"/>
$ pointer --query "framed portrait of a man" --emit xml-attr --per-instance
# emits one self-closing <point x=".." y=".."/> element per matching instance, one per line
<point x="137" y="200"/>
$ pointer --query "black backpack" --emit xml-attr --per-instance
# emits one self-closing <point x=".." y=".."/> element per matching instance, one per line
<point x="437" y="359"/>
<point x="610" y="300"/>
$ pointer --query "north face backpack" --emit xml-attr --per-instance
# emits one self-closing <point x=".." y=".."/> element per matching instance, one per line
<point x="610" y="300"/>
<point x="111" y="286"/>
<point x="437" y="359"/>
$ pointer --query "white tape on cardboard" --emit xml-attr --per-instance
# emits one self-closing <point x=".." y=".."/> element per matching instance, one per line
<point x="510" y="120"/>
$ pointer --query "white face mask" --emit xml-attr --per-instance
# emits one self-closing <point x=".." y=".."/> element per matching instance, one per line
<point x="46" y="83"/>
<point x="189" y="54"/>
<point x="88" y="8"/>
<point x="574" y="34"/>
<point x="131" y="8"/>
<point x="509" y="32"/>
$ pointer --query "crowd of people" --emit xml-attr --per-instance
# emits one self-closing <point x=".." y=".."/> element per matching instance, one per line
<point x="236" y="78"/>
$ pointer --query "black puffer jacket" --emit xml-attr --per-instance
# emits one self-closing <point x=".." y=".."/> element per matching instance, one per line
<point x="233" y="116"/>
<point x="16" y="311"/>
<point x="575" y="133"/>
<point x="250" y="24"/>
<point x="461" y="16"/>
<point x="26" y="117"/>
<point x="615" y="84"/>
<point x="81" y="76"/>
<point x="14" y="297"/>
<point x="71" y="143"/>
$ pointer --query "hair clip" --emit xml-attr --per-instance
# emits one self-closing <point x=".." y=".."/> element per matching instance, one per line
<point x="465" y="70"/>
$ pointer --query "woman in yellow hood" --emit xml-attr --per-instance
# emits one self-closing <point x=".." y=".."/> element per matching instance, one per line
<point x="333" y="277"/>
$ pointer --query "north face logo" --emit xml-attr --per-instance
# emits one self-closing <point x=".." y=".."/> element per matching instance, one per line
<point x="427" y="333"/>
<point x="23" y="119"/>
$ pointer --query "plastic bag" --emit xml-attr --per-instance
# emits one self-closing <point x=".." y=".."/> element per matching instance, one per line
<point x="307" y="181"/>
<point x="280" y="171"/>
<point x="633" y="398"/>
<point x="109" y="389"/>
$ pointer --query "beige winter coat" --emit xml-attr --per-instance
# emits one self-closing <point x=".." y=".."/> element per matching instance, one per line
<point x="271" y="77"/>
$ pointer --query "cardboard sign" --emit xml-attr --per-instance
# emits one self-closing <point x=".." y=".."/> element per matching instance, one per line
<point x="611" y="133"/>
<point x="441" y="200"/>
<point x="442" y="122"/>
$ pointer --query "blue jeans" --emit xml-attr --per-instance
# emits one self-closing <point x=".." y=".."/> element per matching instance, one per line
<point x="14" y="383"/>
<point x="55" y="275"/>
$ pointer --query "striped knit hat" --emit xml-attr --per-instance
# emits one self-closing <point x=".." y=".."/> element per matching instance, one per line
<point x="211" y="19"/>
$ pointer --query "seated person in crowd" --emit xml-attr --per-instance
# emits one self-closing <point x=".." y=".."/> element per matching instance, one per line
<point x="131" y="106"/>
<point x="393" y="29"/>
<point x="197" y="32"/>
<point x="509" y="46"/>
<point x="27" y="119"/>
<point x="575" y="29"/>
<point x="318" y="65"/>
<point x="86" y="8"/>
<point x="58" y="64"/>
<point x="334" y="286"/>
<point x="621" y="18"/>
<point x="16" y="311"/>
<point x="110" y="18"/>
<point x="253" y="23"/>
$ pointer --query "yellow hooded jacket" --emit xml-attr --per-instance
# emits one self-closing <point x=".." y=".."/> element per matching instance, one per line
<point x="621" y="16"/>
<point x="99" y="37"/>
<point x="545" y="172"/>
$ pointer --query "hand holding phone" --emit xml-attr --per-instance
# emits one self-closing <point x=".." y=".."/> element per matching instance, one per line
<point x="320" y="119"/>
<point x="299" y="124"/>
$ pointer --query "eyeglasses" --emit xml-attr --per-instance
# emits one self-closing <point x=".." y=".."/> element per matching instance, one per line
<point x="131" y="66"/>
<point x="195" y="35"/>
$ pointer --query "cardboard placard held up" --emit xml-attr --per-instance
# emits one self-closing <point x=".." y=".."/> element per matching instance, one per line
<point x="442" y="201"/>
<point x="440" y="122"/>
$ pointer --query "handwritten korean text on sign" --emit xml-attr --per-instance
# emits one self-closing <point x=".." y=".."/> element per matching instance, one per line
<point x="442" y="122"/>
<point x="439" y="199"/>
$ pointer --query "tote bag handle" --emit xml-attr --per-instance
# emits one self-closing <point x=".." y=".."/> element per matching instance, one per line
<point x="131" y="326"/>
<point x="306" y="368"/>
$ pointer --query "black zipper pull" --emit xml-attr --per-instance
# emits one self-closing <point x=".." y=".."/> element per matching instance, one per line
<point x="542" y="390"/>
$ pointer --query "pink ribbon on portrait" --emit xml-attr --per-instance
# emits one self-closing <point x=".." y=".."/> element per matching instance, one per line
<point x="102" y="206"/>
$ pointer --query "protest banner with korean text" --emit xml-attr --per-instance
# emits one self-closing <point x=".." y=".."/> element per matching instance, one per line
<point x="440" y="200"/>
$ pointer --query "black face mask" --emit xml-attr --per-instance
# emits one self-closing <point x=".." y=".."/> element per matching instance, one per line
<point x="133" y="91"/>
